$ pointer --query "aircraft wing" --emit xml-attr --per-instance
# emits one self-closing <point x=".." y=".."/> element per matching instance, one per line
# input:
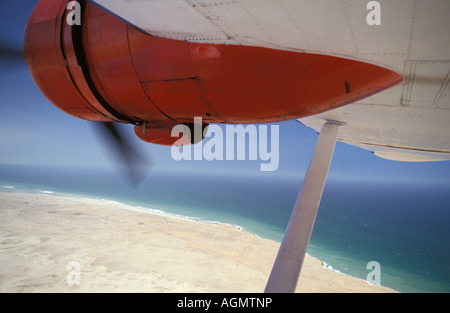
<point x="409" y="122"/>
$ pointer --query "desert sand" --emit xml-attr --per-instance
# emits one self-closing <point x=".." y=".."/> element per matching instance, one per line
<point x="52" y="243"/>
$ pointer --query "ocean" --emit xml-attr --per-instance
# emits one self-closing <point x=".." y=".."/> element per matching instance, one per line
<point x="404" y="227"/>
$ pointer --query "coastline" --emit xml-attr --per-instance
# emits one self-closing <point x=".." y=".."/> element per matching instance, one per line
<point x="120" y="248"/>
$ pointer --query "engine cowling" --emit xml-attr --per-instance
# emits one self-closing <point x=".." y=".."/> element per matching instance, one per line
<point x="107" y="70"/>
<point x="171" y="134"/>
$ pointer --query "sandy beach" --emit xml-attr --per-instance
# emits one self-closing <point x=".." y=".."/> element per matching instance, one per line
<point x="51" y="243"/>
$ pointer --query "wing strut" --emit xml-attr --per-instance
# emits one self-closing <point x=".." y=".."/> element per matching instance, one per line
<point x="286" y="269"/>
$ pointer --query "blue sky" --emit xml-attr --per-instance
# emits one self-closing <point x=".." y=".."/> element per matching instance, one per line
<point x="33" y="131"/>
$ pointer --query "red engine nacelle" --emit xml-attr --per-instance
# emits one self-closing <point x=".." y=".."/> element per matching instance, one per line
<point x="107" y="70"/>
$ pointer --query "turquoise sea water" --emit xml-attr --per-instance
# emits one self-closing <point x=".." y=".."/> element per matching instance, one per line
<point x="404" y="227"/>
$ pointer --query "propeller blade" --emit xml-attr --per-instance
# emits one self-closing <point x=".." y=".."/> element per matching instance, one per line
<point x="8" y="52"/>
<point x="134" y="165"/>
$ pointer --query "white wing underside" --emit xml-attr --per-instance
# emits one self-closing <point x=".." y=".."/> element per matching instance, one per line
<point x="409" y="122"/>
